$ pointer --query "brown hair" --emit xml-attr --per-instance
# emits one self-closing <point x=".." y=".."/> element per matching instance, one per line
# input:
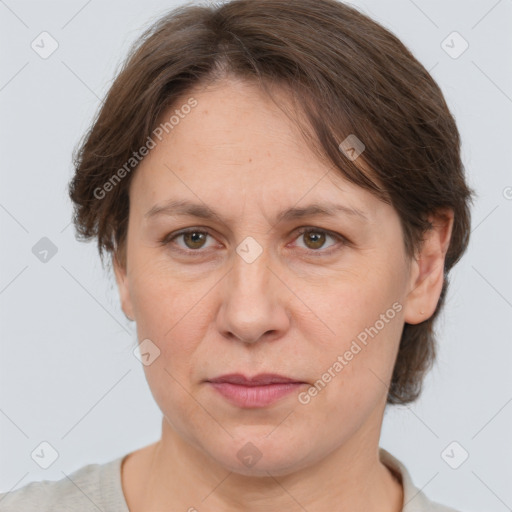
<point x="348" y="74"/>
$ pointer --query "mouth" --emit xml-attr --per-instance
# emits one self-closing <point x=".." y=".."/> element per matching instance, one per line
<point x="254" y="392"/>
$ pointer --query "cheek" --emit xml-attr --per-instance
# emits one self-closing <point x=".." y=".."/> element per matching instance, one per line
<point x="363" y="312"/>
<point x="175" y="320"/>
<point x="349" y="304"/>
<point x="165" y="302"/>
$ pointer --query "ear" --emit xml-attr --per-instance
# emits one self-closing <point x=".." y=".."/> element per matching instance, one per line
<point x="427" y="269"/>
<point x="122" y="285"/>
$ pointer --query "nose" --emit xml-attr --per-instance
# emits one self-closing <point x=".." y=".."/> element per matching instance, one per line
<point x="254" y="301"/>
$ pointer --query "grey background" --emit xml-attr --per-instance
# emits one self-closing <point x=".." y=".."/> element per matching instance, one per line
<point x="68" y="375"/>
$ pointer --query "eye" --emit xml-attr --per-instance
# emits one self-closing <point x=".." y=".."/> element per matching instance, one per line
<point x="193" y="239"/>
<point x="315" y="238"/>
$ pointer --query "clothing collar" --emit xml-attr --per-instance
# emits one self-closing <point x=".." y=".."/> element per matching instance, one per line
<point x="414" y="499"/>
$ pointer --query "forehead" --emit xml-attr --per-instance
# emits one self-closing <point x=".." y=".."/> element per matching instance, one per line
<point x="236" y="121"/>
<point x="237" y="143"/>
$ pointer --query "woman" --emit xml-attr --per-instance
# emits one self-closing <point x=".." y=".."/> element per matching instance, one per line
<point x="280" y="191"/>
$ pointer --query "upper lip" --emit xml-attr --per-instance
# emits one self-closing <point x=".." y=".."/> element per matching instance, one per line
<point x="261" y="379"/>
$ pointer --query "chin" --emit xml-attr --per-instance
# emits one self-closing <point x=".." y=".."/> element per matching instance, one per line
<point x="276" y="466"/>
<point x="260" y="456"/>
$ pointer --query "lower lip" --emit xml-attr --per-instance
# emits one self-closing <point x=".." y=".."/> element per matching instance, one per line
<point x="254" y="396"/>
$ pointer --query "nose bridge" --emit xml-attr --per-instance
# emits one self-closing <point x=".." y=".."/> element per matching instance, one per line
<point x="250" y="302"/>
<point x="250" y="277"/>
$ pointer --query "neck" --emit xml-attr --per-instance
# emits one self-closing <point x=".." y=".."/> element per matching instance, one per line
<point x="175" y="475"/>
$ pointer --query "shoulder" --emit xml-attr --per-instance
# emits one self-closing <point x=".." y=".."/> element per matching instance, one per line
<point x="414" y="499"/>
<point x="90" y="488"/>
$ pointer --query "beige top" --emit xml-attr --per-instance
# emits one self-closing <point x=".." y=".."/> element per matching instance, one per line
<point x="97" y="487"/>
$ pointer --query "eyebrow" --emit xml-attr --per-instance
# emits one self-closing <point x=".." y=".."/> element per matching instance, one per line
<point x="203" y="211"/>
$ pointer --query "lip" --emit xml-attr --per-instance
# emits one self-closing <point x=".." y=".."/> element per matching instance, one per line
<point x="253" y="392"/>
<point x="262" y="379"/>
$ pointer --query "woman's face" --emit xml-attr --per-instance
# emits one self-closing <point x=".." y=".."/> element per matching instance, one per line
<point x="250" y="294"/>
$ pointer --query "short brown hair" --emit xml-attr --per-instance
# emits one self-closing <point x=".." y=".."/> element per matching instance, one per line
<point x="347" y="73"/>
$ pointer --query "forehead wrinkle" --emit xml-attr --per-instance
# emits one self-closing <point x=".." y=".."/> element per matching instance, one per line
<point x="203" y="211"/>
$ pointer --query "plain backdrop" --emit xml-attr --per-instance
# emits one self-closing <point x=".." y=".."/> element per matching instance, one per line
<point x="68" y="374"/>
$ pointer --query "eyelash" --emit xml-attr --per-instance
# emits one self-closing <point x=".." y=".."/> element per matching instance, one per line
<point x="166" y="240"/>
